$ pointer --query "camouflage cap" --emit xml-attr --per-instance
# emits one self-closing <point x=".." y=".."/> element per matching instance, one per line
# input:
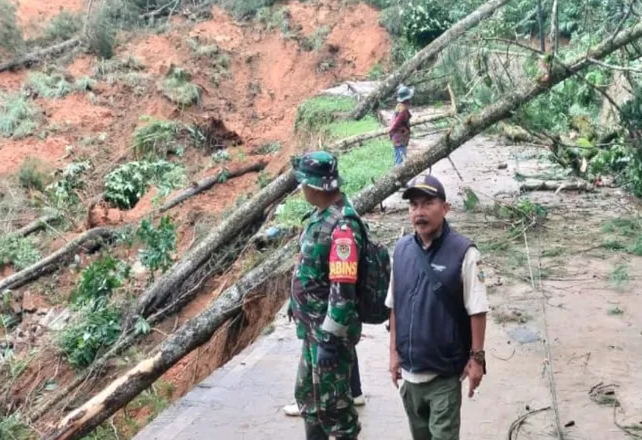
<point x="318" y="170"/>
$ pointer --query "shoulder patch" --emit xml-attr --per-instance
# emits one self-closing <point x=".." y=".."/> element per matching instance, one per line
<point x="480" y="272"/>
<point x="343" y="256"/>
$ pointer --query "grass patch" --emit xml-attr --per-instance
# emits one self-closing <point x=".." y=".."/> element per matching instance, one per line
<point x="128" y="64"/>
<point x="553" y="252"/>
<point x="341" y="129"/>
<point x="18" y="116"/>
<point x="55" y="85"/>
<point x="178" y="89"/>
<point x="619" y="276"/>
<point x="63" y="26"/>
<point x="376" y="72"/>
<point x="315" y="41"/>
<point x="34" y="174"/>
<point x="627" y="227"/>
<point x="320" y="111"/>
<point x="156" y="138"/>
<point x="274" y="18"/>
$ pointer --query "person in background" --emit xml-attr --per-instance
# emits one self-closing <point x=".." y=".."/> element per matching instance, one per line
<point x="400" y="129"/>
<point x="438" y="320"/>
<point x="323" y="301"/>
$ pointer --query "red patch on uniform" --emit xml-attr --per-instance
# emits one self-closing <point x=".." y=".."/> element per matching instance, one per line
<point x="343" y="256"/>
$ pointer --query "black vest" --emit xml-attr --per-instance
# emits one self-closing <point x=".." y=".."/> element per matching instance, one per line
<point x="433" y="332"/>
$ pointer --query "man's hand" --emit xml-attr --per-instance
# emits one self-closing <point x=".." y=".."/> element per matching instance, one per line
<point x="395" y="369"/>
<point x="327" y="356"/>
<point x="474" y="372"/>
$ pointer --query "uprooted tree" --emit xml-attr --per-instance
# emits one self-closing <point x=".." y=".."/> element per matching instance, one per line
<point x="199" y="329"/>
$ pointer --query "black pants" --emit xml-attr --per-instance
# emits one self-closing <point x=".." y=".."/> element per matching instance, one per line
<point x="355" y="378"/>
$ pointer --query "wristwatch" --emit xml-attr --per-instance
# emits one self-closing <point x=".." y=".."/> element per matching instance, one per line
<point x="479" y="356"/>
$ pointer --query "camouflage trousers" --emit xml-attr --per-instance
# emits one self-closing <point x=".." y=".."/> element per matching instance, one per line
<point x="324" y="395"/>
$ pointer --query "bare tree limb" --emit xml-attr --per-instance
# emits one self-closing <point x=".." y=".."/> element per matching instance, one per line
<point x="36" y="225"/>
<point x="613" y="67"/>
<point x="554" y="35"/>
<point x="52" y="261"/>
<point x="40" y="55"/>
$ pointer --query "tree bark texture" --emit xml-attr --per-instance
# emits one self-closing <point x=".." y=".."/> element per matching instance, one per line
<point x="554" y="36"/>
<point x="199" y="329"/>
<point x="209" y="182"/>
<point x="39" y="55"/>
<point x="544" y="185"/>
<point x="389" y="85"/>
<point x="52" y="261"/>
<point x="36" y="225"/>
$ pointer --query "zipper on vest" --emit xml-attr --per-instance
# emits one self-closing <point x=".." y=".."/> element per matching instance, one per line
<point x="412" y="322"/>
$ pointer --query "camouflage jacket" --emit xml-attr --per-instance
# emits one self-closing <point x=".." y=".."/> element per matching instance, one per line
<point x="324" y="303"/>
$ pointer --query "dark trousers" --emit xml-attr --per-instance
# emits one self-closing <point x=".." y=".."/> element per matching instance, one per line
<point x="355" y="378"/>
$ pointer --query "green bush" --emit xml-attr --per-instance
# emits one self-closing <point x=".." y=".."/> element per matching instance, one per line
<point x="274" y="18"/>
<point x="95" y="328"/>
<point x="99" y="280"/>
<point x="160" y="244"/>
<point x="63" y="26"/>
<point x="63" y="194"/>
<point x="316" y="40"/>
<point x="177" y="87"/>
<point x="33" y="174"/>
<point x="157" y="138"/>
<point x="102" y="34"/>
<point x="19" y="251"/>
<point x="12" y="427"/>
<point x="129" y="182"/>
<point x="244" y="9"/>
<point x="316" y="112"/>
<point x="18" y="116"/>
<point x="10" y="33"/>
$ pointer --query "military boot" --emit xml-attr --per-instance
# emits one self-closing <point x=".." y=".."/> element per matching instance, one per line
<point x="314" y="432"/>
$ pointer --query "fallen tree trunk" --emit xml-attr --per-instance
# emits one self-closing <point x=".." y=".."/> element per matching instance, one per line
<point x="199" y="329"/>
<point x="544" y="185"/>
<point x="247" y="214"/>
<point x="39" y="55"/>
<point x="52" y="261"/>
<point x="36" y="225"/>
<point x="209" y="182"/>
<point x="388" y="86"/>
<point x="195" y="284"/>
<point x="355" y="140"/>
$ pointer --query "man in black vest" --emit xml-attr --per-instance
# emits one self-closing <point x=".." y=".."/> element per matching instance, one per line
<point x="438" y="320"/>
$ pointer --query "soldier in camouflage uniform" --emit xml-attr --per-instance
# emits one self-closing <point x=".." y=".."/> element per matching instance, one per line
<point x="323" y="301"/>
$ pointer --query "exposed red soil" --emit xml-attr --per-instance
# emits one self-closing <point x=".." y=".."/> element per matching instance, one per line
<point x="158" y="52"/>
<point x="14" y="151"/>
<point x="12" y="81"/>
<point x="33" y="13"/>
<point x="82" y="65"/>
<point x="76" y="110"/>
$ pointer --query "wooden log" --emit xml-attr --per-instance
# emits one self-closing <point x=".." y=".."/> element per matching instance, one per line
<point x="52" y="261"/>
<point x="39" y="55"/>
<point x="209" y="182"/>
<point x="36" y="225"/>
<point x="545" y="185"/>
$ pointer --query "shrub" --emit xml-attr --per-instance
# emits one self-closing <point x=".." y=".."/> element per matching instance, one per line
<point x="245" y="9"/>
<point x="12" y="427"/>
<point x="63" y="194"/>
<point x="156" y="138"/>
<point x="128" y="183"/>
<point x="18" y="116"/>
<point x="96" y="327"/>
<point x="316" y="40"/>
<point x="102" y="34"/>
<point x="19" y="251"/>
<point x="49" y="85"/>
<point x="63" y="26"/>
<point x="99" y="280"/>
<point x="159" y="243"/>
<point x="34" y="174"/>
<point x="177" y="87"/>
<point x="273" y="18"/>
<point x="10" y="33"/>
